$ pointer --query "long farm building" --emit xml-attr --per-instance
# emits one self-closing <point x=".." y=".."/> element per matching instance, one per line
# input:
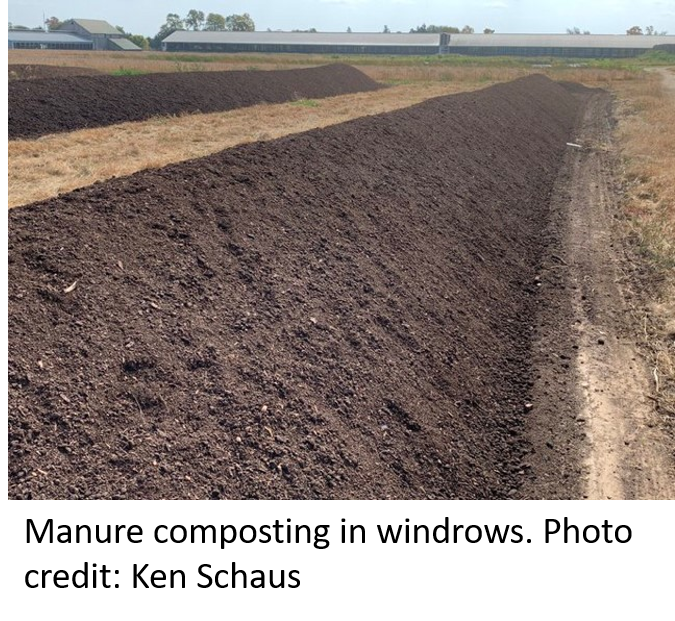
<point x="534" y="45"/>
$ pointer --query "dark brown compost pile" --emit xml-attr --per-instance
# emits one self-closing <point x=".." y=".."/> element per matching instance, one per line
<point x="38" y="107"/>
<point x="344" y="313"/>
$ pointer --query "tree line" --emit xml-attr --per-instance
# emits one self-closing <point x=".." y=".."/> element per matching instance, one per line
<point x="633" y="30"/>
<point x="433" y="29"/>
<point x="197" y="20"/>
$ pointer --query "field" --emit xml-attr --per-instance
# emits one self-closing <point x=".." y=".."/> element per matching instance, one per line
<point x="379" y="306"/>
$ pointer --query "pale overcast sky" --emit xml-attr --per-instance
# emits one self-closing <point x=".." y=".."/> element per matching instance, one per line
<point x="146" y="16"/>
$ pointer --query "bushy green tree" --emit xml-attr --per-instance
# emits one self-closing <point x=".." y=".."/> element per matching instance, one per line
<point x="173" y="22"/>
<point x="194" y="20"/>
<point x="432" y="29"/>
<point x="53" y="23"/>
<point x="240" y="23"/>
<point x="140" y="40"/>
<point x="215" y="21"/>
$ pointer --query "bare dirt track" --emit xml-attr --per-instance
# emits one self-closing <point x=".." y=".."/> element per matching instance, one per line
<point x="36" y="72"/>
<point x="602" y="439"/>
<point x="342" y="313"/>
<point x="52" y="105"/>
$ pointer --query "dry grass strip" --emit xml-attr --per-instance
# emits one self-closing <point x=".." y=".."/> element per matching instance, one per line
<point x="646" y="132"/>
<point x="50" y="165"/>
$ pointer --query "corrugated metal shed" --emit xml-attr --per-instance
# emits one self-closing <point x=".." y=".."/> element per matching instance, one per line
<point x="303" y="38"/>
<point x="559" y="41"/>
<point x="40" y="36"/>
<point x="543" y="45"/>
<point x="37" y="38"/>
<point x="93" y="26"/>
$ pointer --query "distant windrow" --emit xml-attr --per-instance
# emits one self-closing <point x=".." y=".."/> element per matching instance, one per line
<point x="54" y="105"/>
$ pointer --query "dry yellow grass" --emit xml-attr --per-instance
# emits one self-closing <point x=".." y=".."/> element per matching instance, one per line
<point x="50" y="165"/>
<point x="151" y="62"/>
<point x="385" y="69"/>
<point x="43" y="168"/>
<point x="646" y="135"/>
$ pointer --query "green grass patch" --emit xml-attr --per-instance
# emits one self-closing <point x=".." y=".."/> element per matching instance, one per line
<point x="125" y="71"/>
<point x="649" y="59"/>
<point x="306" y="103"/>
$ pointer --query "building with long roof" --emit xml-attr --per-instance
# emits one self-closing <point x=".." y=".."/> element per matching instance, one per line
<point x="534" y="45"/>
<point x="73" y="34"/>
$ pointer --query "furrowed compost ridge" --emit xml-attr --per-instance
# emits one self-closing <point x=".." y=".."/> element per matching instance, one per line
<point x="52" y="105"/>
<point x="344" y="313"/>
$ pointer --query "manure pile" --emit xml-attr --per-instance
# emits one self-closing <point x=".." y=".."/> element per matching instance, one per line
<point x="48" y="106"/>
<point x="344" y="313"/>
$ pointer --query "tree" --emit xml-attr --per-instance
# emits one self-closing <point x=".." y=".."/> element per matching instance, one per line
<point x="53" y="23"/>
<point x="651" y="31"/>
<point x="349" y="29"/>
<point x="386" y="30"/>
<point x="634" y="30"/>
<point x="488" y="31"/>
<point x="431" y="29"/>
<point x="240" y="23"/>
<point x="173" y="22"/>
<point x="214" y="21"/>
<point x="194" y="19"/>
<point x="140" y="40"/>
<point x="467" y="30"/>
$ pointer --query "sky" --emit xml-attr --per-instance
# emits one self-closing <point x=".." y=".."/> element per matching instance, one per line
<point x="515" y="16"/>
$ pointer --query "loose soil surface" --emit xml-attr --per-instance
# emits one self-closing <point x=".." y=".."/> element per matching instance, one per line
<point x="46" y="106"/>
<point x="51" y="165"/>
<point x="35" y="72"/>
<point x="602" y="440"/>
<point x="344" y="313"/>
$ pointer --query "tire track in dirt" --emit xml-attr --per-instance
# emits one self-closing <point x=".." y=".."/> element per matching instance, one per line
<point x="624" y="455"/>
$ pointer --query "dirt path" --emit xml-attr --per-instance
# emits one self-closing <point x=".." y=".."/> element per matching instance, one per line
<point x="627" y="456"/>
<point x="668" y="76"/>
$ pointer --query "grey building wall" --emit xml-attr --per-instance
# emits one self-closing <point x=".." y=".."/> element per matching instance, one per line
<point x="552" y="45"/>
<point x="40" y="40"/>
<point x="302" y="43"/>
<point x="280" y="48"/>
<point x="99" y="34"/>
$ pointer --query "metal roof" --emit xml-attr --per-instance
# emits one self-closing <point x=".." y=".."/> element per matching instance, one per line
<point x="40" y="36"/>
<point x="124" y="44"/>
<point x="93" y="26"/>
<point x="559" y="40"/>
<point x="302" y="38"/>
<point x="395" y="39"/>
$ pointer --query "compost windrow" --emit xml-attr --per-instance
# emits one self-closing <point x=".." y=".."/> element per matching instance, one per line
<point x="344" y="313"/>
<point x="53" y="105"/>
